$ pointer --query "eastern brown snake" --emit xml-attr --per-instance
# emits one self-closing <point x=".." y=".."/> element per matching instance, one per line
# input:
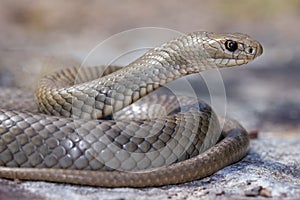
<point x="136" y="146"/>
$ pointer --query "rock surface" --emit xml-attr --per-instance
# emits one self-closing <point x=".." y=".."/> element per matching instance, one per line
<point x="264" y="96"/>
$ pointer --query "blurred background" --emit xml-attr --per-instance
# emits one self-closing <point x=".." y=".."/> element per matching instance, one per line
<point x="38" y="36"/>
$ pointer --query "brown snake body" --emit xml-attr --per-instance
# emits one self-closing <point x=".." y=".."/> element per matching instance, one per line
<point x="135" y="146"/>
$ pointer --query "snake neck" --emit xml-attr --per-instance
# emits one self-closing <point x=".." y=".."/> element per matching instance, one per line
<point x="101" y="97"/>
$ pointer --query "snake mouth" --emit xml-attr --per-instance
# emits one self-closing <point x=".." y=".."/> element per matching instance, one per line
<point x="238" y="61"/>
<point x="227" y="62"/>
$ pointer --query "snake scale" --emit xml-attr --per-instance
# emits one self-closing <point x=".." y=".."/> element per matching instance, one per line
<point x="91" y="133"/>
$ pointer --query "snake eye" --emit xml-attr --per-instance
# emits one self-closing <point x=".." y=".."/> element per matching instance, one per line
<point x="231" y="45"/>
<point x="250" y="50"/>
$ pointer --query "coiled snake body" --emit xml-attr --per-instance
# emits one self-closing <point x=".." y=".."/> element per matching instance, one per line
<point x="135" y="145"/>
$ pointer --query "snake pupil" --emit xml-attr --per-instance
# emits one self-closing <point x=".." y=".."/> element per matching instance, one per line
<point x="231" y="45"/>
<point x="251" y="50"/>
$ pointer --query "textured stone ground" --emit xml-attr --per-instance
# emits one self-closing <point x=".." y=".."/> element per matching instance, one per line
<point x="264" y="95"/>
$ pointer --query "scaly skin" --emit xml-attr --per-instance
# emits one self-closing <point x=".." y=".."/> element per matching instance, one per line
<point x="133" y="152"/>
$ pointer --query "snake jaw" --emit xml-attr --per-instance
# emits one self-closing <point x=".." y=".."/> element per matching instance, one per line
<point x="221" y="62"/>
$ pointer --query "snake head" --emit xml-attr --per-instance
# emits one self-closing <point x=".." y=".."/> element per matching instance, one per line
<point x="230" y="49"/>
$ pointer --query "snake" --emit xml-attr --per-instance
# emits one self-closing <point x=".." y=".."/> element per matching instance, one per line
<point x="107" y="127"/>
